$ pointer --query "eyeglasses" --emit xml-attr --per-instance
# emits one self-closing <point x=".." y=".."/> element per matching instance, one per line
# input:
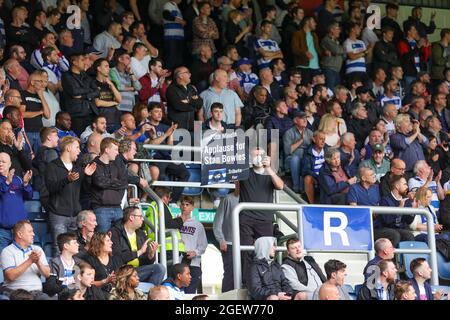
<point x="138" y="215"/>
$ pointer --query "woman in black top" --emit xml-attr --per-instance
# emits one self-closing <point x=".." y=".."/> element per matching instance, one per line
<point x="101" y="259"/>
<point x="234" y="34"/>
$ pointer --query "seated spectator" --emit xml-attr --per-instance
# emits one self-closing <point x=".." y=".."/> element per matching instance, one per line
<point x="418" y="104"/>
<point x="131" y="245"/>
<point x="424" y="196"/>
<point x="47" y="153"/>
<point x="202" y="67"/>
<point x="48" y="39"/>
<point x="257" y="108"/>
<point x="247" y="79"/>
<point x="381" y="287"/>
<point x="64" y="265"/>
<point x="389" y="96"/>
<point x="329" y="126"/>
<point x="128" y="129"/>
<point x="13" y="146"/>
<point x="127" y="282"/>
<point x="436" y="156"/>
<point x="421" y="275"/>
<point x="52" y="100"/>
<point x="124" y="79"/>
<point x="268" y="280"/>
<point x="194" y="237"/>
<point x="86" y="224"/>
<point x="384" y="250"/>
<point x="334" y="108"/>
<point x="215" y="123"/>
<point x="64" y="124"/>
<point x="109" y="99"/>
<point x="312" y="162"/>
<point x="329" y="292"/>
<point x="359" y="124"/>
<point x="397" y="169"/>
<point x="159" y="293"/>
<point x="333" y="179"/>
<point x="394" y="227"/>
<point x="98" y="125"/>
<point x="404" y="290"/>
<point x="127" y="151"/>
<point x="302" y="272"/>
<point x="336" y="273"/>
<point x="50" y="58"/>
<point x="366" y="192"/>
<point x="407" y="142"/>
<point x="86" y="285"/>
<point x="153" y="83"/>
<point x="101" y="259"/>
<point x="179" y="279"/>
<point x="13" y="191"/>
<point x="377" y="163"/>
<point x="424" y="178"/>
<point x="295" y="141"/>
<point x="63" y="181"/>
<point x="278" y="120"/>
<point x="24" y="263"/>
<point x="310" y="109"/>
<point x="350" y="157"/>
<point x="13" y="72"/>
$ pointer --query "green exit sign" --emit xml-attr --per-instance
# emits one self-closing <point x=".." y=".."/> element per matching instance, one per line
<point x="201" y="215"/>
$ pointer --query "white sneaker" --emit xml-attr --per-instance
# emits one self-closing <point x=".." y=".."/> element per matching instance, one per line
<point x="216" y="203"/>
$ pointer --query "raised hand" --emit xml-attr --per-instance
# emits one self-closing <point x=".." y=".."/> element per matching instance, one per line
<point x="27" y="177"/>
<point x="10" y="176"/>
<point x="90" y="169"/>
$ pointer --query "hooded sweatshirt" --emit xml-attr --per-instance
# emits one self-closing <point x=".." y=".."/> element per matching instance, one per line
<point x="263" y="246"/>
<point x="194" y="237"/>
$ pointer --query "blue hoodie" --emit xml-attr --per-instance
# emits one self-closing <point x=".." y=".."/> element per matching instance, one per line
<point x="12" y="208"/>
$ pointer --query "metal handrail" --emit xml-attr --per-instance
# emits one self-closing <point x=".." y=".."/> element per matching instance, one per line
<point x="237" y="248"/>
<point x="293" y="195"/>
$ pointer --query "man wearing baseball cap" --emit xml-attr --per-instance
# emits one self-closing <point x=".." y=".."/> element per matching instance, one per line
<point x="378" y="162"/>
<point x="247" y="79"/>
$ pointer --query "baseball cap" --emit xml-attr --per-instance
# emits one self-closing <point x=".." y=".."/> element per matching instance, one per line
<point x="378" y="147"/>
<point x="244" y="61"/>
<point x="299" y="114"/>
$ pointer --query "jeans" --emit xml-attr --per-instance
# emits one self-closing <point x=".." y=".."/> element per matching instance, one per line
<point x="35" y="140"/>
<point x="5" y="238"/>
<point x="228" y="278"/>
<point x="293" y="162"/>
<point x="394" y="235"/>
<point x="106" y="217"/>
<point x="153" y="273"/>
<point x="423" y="237"/>
<point x="332" y="78"/>
<point x="196" y="274"/>
<point x="58" y="225"/>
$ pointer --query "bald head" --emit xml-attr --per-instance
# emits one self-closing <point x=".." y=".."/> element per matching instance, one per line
<point x="329" y="292"/>
<point x="94" y="141"/>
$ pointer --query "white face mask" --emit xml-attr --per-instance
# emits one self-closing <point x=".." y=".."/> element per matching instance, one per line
<point x="257" y="161"/>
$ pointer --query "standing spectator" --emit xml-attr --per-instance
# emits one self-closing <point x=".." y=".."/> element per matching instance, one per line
<point x="332" y="60"/>
<point x="235" y="34"/>
<point x="394" y="227"/>
<point x="63" y="181"/>
<point x="270" y="14"/>
<point x="384" y="250"/>
<point x="131" y="244"/>
<point x="267" y="49"/>
<point x="390" y="20"/>
<point x="268" y="280"/>
<point x="194" y="237"/>
<point x="138" y="31"/>
<point x="125" y="80"/>
<point x="51" y="67"/>
<point x="295" y="141"/>
<point x="126" y="286"/>
<point x="366" y="192"/>
<point x="421" y="275"/>
<point x="383" y="288"/>
<point x="20" y="158"/>
<point x="108" y="185"/>
<point x="407" y="142"/>
<point x="302" y="271"/>
<point x="35" y="107"/>
<point x="23" y="263"/>
<point x="306" y="50"/>
<point x="325" y="18"/>
<point x="173" y="34"/>
<point x="179" y="279"/>
<point x="140" y="60"/>
<point x="334" y="181"/>
<point x="79" y="93"/>
<point x="218" y="92"/>
<point x="109" y="97"/>
<point x="183" y="101"/>
<point x="389" y="96"/>
<point x="18" y="31"/>
<point x="223" y="235"/>
<point x="336" y="272"/>
<point x="204" y="29"/>
<point x="13" y="192"/>
<point x="202" y="67"/>
<point x="440" y="57"/>
<point x="108" y="41"/>
<point x="153" y="84"/>
<point x="416" y="20"/>
<point x="289" y="29"/>
<point x="385" y="52"/>
<point x="13" y="72"/>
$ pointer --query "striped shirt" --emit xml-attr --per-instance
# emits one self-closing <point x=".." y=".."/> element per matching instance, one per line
<point x="37" y="61"/>
<point x="2" y="34"/>
<point x="416" y="182"/>
<point x="319" y="159"/>
<point x="413" y="44"/>
<point x="247" y="80"/>
<point x="395" y="100"/>
<point x="357" y="65"/>
<point x="267" y="45"/>
<point x="172" y="29"/>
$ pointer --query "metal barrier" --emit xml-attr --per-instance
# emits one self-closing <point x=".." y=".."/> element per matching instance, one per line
<point x="237" y="248"/>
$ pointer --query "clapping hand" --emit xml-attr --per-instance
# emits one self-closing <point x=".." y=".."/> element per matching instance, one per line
<point x="90" y="169"/>
<point x="10" y="176"/>
<point x="27" y="177"/>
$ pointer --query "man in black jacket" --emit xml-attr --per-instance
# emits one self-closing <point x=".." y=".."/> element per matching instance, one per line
<point x="131" y="244"/>
<point x="108" y="185"/>
<point x="303" y="273"/>
<point x="391" y="21"/>
<point x="380" y="286"/>
<point x="268" y="281"/>
<point x="63" y="180"/>
<point x="183" y="101"/>
<point x="79" y="93"/>
<point x="385" y="53"/>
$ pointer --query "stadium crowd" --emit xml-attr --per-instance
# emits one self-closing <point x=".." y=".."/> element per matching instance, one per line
<point x="363" y="116"/>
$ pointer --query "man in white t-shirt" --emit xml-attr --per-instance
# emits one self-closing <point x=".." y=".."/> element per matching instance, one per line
<point x="140" y="60"/>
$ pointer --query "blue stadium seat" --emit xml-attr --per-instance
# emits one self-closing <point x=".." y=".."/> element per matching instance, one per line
<point x="349" y="289"/>
<point x="407" y="258"/>
<point x="443" y="267"/>
<point x="195" y="176"/>
<point x="34" y="210"/>
<point x="357" y="290"/>
<point x="47" y="243"/>
<point x="36" y="195"/>
<point x="40" y="230"/>
<point x="145" y="286"/>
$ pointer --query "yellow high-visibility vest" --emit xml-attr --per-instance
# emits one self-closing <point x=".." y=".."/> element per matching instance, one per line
<point x="150" y="214"/>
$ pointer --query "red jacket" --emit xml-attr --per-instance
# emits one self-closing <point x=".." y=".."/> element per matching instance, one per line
<point x="406" y="56"/>
<point x="148" y="91"/>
